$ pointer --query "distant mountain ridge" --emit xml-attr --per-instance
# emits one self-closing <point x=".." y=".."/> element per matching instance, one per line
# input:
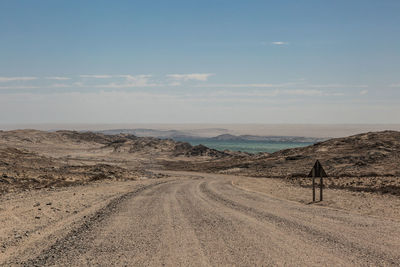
<point x="369" y="154"/>
<point x="297" y="139"/>
<point x="193" y="135"/>
<point x="171" y="134"/>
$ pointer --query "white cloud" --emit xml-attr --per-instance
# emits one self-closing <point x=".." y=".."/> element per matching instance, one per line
<point x="96" y="76"/>
<point x="395" y="85"/>
<point x="262" y="94"/>
<point x="18" y="87"/>
<point x="303" y="92"/>
<point x="78" y="84"/>
<point x="126" y="76"/>
<point x="121" y="81"/>
<point x="142" y="80"/>
<point x="131" y="81"/>
<point x="56" y="85"/>
<point x="175" y="83"/>
<point x="282" y="85"/>
<point x="134" y="77"/>
<point x="363" y="92"/>
<point x="141" y="107"/>
<point x="125" y="85"/>
<point x="337" y="85"/>
<point x="57" y="78"/>
<point x="226" y="93"/>
<point x="247" y="85"/>
<point x="59" y="85"/>
<point x="279" y="43"/>
<point x="191" y="76"/>
<point x="335" y="94"/>
<point x="12" y="79"/>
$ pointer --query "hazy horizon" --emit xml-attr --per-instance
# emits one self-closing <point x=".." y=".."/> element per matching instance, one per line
<point x="210" y="130"/>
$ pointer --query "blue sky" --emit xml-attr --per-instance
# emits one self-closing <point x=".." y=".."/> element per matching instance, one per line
<point x="199" y="61"/>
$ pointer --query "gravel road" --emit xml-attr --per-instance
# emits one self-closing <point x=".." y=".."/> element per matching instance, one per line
<point x="204" y="221"/>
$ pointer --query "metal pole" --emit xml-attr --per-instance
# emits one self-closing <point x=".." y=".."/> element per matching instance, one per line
<point x="313" y="188"/>
<point x="321" y="184"/>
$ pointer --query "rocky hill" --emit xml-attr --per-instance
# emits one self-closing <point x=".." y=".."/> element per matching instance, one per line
<point x="169" y="134"/>
<point x="42" y="142"/>
<point x="293" y="139"/>
<point x="35" y="159"/>
<point x="367" y="154"/>
<point x="207" y="134"/>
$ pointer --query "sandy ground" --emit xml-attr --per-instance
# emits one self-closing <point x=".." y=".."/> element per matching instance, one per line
<point x="33" y="220"/>
<point x="195" y="219"/>
<point x="365" y="203"/>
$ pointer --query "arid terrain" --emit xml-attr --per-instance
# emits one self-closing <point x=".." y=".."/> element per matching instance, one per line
<point x="36" y="159"/>
<point x="367" y="162"/>
<point x="74" y="198"/>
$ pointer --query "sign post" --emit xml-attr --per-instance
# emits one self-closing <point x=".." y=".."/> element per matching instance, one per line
<point x="317" y="171"/>
<point x="313" y="188"/>
<point x="321" y="185"/>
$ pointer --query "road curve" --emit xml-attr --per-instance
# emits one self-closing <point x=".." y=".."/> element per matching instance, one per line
<point x="206" y="221"/>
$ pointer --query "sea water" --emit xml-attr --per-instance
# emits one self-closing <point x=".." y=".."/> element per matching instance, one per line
<point x="246" y="146"/>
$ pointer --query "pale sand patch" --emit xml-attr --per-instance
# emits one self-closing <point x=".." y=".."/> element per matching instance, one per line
<point x="33" y="220"/>
<point x="365" y="203"/>
<point x="372" y="204"/>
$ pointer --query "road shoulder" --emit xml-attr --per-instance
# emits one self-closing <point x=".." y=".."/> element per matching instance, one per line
<point x="34" y="220"/>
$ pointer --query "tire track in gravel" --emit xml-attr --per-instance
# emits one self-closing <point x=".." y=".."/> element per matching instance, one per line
<point x="323" y="238"/>
<point x="209" y="222"/>
<point x="230" y="237"/>
<point x="69" y="242"/>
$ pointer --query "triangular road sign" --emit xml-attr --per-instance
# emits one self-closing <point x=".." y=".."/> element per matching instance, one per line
<point x="317" y="170"/>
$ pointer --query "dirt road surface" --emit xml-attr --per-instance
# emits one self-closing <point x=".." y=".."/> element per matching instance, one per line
<point x="200" y="220"/>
